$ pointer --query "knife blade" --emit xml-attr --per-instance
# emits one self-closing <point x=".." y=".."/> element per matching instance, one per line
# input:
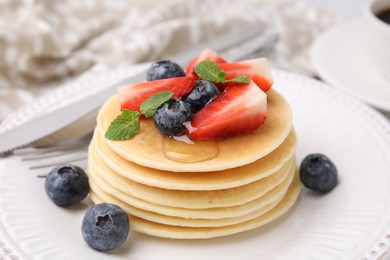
<point x="48" y="123"/>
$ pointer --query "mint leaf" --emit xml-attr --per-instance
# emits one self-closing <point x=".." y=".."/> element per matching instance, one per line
<point x="210" y="71"/>
<point x="124" y="126"/>
<point x="239" y="79"/>
<point x="149" y="106"/>
<point x="128" y="124"/>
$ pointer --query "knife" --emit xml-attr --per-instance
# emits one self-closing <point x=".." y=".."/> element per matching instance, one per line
<point x="38" y="127"/>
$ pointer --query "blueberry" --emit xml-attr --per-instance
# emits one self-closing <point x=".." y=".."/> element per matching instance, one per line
<point x="169" y="118"/>
<point x="203" y="93"/>
<point x="67" y="185"/>
<point x="163" y="70"/>
<point x="105" y="226"/>
<point x="318" y="173"/>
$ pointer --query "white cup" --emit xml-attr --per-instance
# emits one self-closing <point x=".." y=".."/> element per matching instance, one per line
<point x="378" y="36"/>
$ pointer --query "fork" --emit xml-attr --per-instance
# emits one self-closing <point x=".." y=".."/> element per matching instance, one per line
<point x="42" y="158"/>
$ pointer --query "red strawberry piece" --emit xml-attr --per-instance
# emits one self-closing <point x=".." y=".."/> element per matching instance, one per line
<point x="207" y="54"/>
<point x="132" y="96"/>
<point x="241" y="108"/>
<point x="256" y="69"/>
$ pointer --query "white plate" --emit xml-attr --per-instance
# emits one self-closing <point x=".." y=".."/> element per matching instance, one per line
<point x="340" y="58"/>
<point x="350" y="222"/>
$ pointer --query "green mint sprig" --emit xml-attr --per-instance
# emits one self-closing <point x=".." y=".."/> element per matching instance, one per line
<point x="149" y="106"/>
<point x="210" y="71"/>
<point x="127" y="124"/>
<point x="124" y="126"/>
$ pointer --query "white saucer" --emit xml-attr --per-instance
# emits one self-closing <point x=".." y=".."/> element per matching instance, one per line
<point x="340" y="59"/>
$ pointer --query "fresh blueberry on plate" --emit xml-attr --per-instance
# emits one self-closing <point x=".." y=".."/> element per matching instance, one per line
<point x="105" y="226"/>
<point x="67" y="185"/>
<point x="318" y="173"/>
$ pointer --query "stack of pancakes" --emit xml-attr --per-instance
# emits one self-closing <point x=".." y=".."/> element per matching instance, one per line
<point x="250" y="182"/>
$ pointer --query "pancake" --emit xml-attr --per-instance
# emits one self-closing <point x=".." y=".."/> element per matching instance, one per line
<point x="98" y="185"/>
<point x="179" y="232"/>
<point x="195" y="180"/>
<point x="190" y="199"/>
<point x="190" y="222"/>
<point x="221" y="187"/>
<point x="145" y="148"/>
<point x="185" y="222"/>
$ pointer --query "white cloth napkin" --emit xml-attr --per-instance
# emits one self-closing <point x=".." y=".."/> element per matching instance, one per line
<point x="45" y="44"/>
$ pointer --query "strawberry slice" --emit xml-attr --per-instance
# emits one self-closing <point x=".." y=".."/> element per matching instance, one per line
<point x="241" y="108"/>
<point x="207" y="54"/>
<point x="256" y="69"/>
<point x="132" y="96"/>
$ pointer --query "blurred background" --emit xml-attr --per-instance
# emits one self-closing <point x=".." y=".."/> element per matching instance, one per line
<point x="348" y="9"/>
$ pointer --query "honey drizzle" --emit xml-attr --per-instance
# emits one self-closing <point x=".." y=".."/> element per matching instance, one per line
<point x="182" y="149"/>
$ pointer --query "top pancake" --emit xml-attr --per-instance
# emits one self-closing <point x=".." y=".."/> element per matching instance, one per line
<point x="146" y="147"/>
